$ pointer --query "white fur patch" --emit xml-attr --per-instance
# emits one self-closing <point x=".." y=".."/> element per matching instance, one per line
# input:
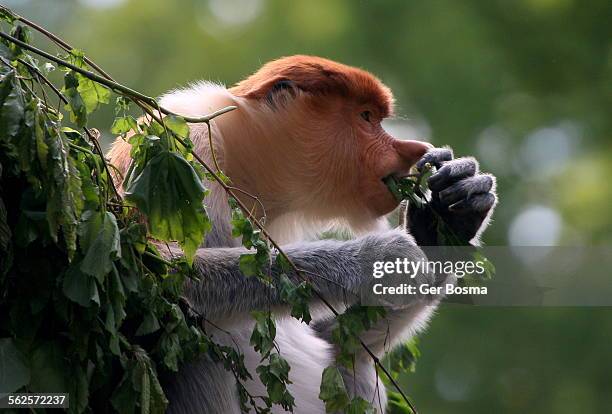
<point x="197" y="99"/>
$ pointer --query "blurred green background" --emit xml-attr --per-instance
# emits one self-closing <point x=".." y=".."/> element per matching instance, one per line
<point x="525" y="86"/>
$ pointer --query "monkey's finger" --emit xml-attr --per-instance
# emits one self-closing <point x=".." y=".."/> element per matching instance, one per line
<point x="465" y="188"/>
<point x="451" y="172"/>
<point x="477" y="203"/>
<point x="435" y="157"/>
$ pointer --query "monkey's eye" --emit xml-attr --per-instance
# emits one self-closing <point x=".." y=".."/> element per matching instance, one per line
<point x="366" y="115"/>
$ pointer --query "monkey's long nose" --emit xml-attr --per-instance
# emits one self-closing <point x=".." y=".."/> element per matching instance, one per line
<point x="411" y="151"/>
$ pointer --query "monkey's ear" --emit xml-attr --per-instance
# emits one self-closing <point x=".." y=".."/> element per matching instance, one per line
<point x="281" y="89"/>
<point x="282" y="84"/>
<point x="269" y="89"/>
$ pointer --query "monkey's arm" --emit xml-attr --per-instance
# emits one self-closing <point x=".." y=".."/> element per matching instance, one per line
<point x="338" y="270"/>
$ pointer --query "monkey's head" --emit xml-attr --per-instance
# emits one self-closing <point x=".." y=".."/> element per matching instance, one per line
<point x="310" y="139"/>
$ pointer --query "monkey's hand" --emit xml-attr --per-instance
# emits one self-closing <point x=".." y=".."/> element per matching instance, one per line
<point x="462" y="200"/>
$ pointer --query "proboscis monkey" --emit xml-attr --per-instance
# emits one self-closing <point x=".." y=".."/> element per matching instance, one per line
<point x="307" y="140"/>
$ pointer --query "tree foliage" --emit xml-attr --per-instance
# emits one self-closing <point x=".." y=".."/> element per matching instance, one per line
<point x="91" y="307"/>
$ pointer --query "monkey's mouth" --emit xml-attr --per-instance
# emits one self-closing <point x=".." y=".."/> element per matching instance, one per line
<point x="394" y="181"/>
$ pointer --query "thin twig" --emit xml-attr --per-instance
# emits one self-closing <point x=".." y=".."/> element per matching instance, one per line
<point x="212" y="148"/>
<point x="253" y="197"/>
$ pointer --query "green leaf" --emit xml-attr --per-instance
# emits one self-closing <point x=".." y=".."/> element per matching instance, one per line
<point x="75" y="106"/>
<point x="149" y="325"/>
<point x="404" y="357"/>
<point x="360" y="406"/>
<point x="122" y="105"/>
<point x="298" y="296"/>
<point x="117" y="296"/>
<point x="99" y="242"/>
<point x="241" y="226"/>
<point x="124" y="124"/>
<point x="282" y="263"/>
<point x="489" y="267"/>
<point x="171" y="346"/>
<point x="391" y="184"/>
<point x="177" y="125"/>
<point x="169" y="192"/>
<point x="145" y="392"/>
<point x="351" y="324"/>
<point x="48" y="67"/>
<point x="64" y="194"/>
<point x="14" y="372"/>
<point x="332" y="392"/>
<point x="79" y="391"/>
<point x="42" y="149"/>
<point x="6" y="15"/>
<point x="5" y="230"/>
<point x="92" y="93"/>
<point x="12" y="104"/>
<point x="264" y="332"/>
<point x="124" y="396"/>
<point x="80" y="287"/>
<point x="396" y="404"/>
<point x="49" y="364"/>
<point x="159" y="403"/>
<point x="275" y="377"/>
<point x="248" y="264"/>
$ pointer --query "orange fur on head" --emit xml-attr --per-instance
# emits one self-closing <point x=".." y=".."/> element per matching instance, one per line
<point x="318" y="76"/>
<point x="306" y="140"/>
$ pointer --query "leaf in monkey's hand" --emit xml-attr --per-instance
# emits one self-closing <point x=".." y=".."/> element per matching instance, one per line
<point x="404" y="189"/>
<point x="412" y="188"/>
<point x="392" y="186"/>
<point x="169" y="192"/>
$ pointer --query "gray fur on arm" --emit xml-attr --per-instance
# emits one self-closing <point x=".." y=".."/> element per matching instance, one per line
<point x="338" y="270"/>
